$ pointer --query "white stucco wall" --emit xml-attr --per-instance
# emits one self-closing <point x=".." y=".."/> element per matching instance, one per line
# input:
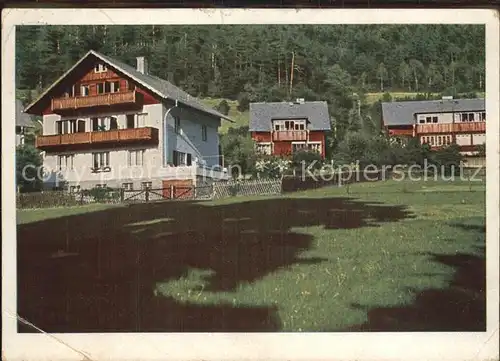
<point x="478" y="139"/>
<point x="189" y="139"/>
<point x="49" y="124"/>
<point x="463" y="139"/>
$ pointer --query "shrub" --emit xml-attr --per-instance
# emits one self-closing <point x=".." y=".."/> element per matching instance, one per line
<point x="243" y="102"/>
<point x="100" y="194"/>
<point x="46" y="199"/>
<point x="28" y="164"/>
<point x="447" y="159"/>
<point x="308" y="158"/>
<point x="481" y="150"/>
<point x="223" y="107"/>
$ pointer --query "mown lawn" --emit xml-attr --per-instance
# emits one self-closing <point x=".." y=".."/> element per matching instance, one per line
<point x="386" y="256"/>
<point x="34" y="215"/>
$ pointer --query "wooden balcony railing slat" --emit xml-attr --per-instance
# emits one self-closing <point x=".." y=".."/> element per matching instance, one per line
<point x="110" y="136"/>
<point x="290" y="135"/>
<point x="94" y="100"/>
<point x="451" y="128"/>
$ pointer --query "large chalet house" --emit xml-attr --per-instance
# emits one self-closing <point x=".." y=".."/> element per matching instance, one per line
<point x="282" y="128"/>
<point x="108" y="124"/>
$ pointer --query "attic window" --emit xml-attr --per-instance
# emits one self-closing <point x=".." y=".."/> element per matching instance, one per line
<point x="85" y="90"/>
<point x="100" y="68"/>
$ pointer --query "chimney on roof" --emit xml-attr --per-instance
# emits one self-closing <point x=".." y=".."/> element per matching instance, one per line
<point x="142" y="65"/>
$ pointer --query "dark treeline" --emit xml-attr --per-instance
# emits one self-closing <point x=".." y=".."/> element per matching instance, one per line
<point x="312" y="61"/>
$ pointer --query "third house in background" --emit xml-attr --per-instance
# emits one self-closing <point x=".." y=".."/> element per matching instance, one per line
<point x="439" y="123"/>
<point x="285" y="127"/>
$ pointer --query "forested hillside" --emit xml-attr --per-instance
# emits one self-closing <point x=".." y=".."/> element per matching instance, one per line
<point x="341" y="64"/>
<point x="269" y="61"/>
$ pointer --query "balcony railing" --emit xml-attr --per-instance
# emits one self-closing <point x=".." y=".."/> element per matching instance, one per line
<point x="129" y="97"/>
<point x="466" y="127"/>
<point x="290" y="135"/>
<point x="126" y="136"/>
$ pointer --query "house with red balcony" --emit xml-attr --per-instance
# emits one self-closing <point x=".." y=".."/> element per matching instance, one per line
<point x="282" y="128"/>
<point x="439" y="123"/>
<point x="109" y="124"/>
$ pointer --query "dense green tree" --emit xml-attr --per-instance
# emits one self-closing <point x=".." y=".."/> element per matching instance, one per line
<point x="238" y="149"/>
<point x="28" y="168"/>
<point x="219" y="60"/>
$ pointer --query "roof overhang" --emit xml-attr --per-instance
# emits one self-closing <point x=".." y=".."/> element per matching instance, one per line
<point x="121" y="70"/>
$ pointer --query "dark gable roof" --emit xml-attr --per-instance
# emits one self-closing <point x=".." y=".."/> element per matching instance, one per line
<point x="23" y="119"/>
<point x="161" y="87"/>
<point x="403" y="113"/>
<point x="316" y="112"/>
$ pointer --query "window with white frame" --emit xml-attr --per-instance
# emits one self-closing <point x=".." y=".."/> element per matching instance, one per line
<point x="136" y="157"/>
<point x="85" y="90"/>
<point x="204" y="132"/>
<point x="483" y="116"/>
<point x="128" y="186"/>
<point x="177" y="125"/>
<point x="146" y="185"/>
<point x="101" y="88"/>
<point x="100" y="68"/>
<point x="69" y="92"/>
<point x="181" y="158"/>
<point x="298" y="147"/>
<point x="113" y="123"/>
<point x="101" y="185"/>
<point x="264" y="148"/>
<point x="290" y="124"/>
<point x="111" y="87"/>
<point x="312" y="146"/>
<point x="100" y="160"/>
<point x="65" y="161"/>
<point x="74" y="189"/>
<point x="68" y="126"/>
<point x="130" y="121"/>
<point x="315" y="147"/>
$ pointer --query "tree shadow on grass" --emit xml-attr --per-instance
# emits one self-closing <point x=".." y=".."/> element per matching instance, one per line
<point x="98" y="272"/>
<point x="459" y="307"/>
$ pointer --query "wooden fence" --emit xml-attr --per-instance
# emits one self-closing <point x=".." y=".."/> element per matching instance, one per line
<point x="246" y="188"/>
<point x="216" y="190"/>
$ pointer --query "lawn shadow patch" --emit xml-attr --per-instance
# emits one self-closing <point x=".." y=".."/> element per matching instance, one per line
<point x="106" y="280"/>
<point x="460" y="307"/>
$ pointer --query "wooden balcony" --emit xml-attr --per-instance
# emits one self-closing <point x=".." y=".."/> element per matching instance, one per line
<point x="63" y="104"/>
<point x="146" y="135"/>
<point x="448" y="128"/>
<point x="290" y="135"/>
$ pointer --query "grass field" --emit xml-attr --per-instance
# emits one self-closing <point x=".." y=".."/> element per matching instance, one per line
<point x="374" y="97"/>
<point x="240" y="118"/>
<point x="387" y="256"/>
